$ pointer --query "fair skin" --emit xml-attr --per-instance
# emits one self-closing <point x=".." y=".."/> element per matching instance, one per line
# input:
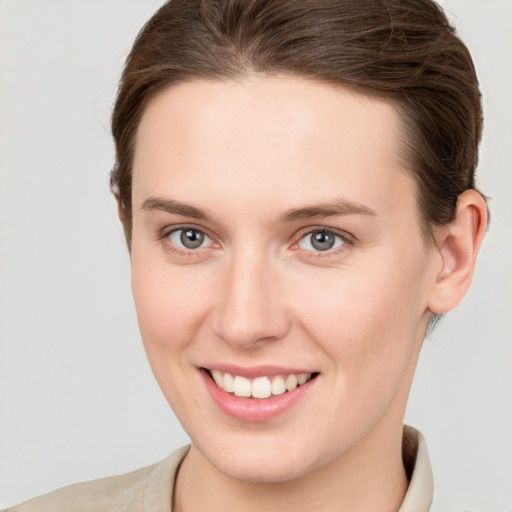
<point x="250" y="169"/>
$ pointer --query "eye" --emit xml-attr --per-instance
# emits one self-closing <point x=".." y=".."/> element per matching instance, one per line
<point x="321" y="240"/>
<point x="189" y="238"/>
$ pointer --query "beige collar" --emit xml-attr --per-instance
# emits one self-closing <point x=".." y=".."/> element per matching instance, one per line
<point x="417" y="464"/>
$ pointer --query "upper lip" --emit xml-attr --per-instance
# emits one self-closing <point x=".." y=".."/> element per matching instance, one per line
<point x="252" y="372"/>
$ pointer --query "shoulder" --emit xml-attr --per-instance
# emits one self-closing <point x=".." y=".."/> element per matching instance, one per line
<point x="143" y="490"/>
<point x="115" y="492"/>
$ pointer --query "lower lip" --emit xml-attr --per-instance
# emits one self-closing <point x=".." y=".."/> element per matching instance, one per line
<point x="254" y="409"/>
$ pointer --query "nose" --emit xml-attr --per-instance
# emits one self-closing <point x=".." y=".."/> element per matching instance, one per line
<point x="251" y="309"/>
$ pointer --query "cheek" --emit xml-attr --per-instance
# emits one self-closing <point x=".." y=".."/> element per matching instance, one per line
<point x="170" y="303"/>
<point x="170" y="308"/>
<point x="368" y="321"/>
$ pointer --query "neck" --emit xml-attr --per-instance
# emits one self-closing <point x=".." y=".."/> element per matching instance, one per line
<point x="371" y="477"/>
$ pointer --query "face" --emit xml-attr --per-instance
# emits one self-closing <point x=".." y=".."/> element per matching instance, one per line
<point x="277" y="249"/>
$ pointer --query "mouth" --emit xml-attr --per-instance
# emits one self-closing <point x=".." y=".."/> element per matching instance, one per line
<point x="261" y="387"/>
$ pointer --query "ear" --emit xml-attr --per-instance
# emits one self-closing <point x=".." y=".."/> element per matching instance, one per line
<point x="120" y="205"/>
<point x="458" y="245"/>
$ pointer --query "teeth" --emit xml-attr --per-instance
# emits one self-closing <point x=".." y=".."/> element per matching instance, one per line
<point x="260" y="387"/>
<point x="278" y="386"/>
<point x="302" y="378"/>
<point x="291" y="382"/>
<point x="242" y="386"/>
<point x="228" y="383"/>
<point x="218" y="378"/>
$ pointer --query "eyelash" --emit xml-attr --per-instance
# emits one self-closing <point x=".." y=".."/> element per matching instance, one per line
<point x="165" y="234"/>
<point x="341" y="236"/>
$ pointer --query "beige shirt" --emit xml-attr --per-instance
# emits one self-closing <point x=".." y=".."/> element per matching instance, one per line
<point x="150" y="489"/>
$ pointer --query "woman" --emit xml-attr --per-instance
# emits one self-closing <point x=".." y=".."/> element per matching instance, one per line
<point x="296" y="185"/>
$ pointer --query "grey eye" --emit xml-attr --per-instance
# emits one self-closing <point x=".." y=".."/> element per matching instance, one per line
<point x="321" y="240"/>
<point x="188" y="238"/>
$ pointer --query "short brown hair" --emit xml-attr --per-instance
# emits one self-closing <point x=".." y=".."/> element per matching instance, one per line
<point x="405" y="50"/>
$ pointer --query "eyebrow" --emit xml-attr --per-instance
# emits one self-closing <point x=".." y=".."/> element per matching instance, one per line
<point x="173" y="207"/>
<point x="329" y="209"/>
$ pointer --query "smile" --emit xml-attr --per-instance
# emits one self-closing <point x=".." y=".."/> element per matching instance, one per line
<point x="259" y="387"/>
<point x="260" y="394"/>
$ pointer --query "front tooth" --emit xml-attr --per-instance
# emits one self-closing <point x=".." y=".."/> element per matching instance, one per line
<point x="218" y="378"/>
<point x="261" y="387"/>
<point x="291" y="382"/>
<point x="303" y="378"/>
<point x="228" y="383"/>
<point x="278" y="386"/>
<point x="242" y="386"/>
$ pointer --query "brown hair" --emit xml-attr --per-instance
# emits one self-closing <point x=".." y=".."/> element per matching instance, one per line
<point x="405" y="50"/>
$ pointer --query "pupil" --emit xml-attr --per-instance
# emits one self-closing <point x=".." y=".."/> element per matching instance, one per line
<point x="191" y="238"/>
<point x="322" y="241"/>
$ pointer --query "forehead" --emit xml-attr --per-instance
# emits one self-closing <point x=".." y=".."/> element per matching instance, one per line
<point x="264" y="135"/>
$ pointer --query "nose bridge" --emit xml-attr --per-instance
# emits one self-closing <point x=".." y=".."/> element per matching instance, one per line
<point x="249" y="309"/>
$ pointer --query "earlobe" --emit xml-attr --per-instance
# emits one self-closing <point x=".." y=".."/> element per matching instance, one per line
<point x="458" y="246"/>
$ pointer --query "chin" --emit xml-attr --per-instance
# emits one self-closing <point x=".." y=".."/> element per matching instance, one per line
<point x="261" y="461"/>
<point x="270" y="471"/>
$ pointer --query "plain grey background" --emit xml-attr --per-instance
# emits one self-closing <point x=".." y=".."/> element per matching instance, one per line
<point x="77" y="397"/>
